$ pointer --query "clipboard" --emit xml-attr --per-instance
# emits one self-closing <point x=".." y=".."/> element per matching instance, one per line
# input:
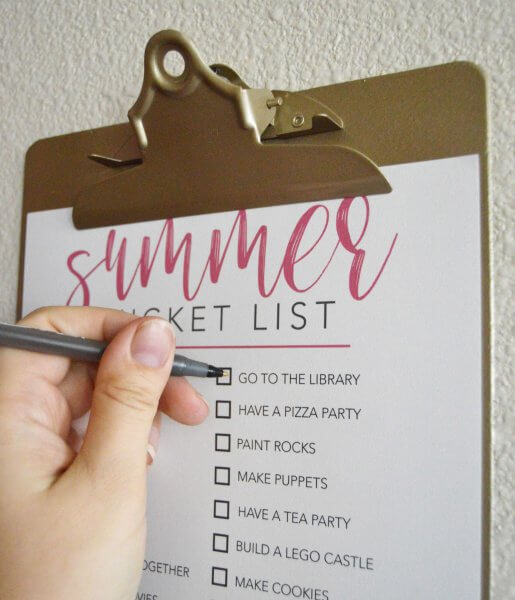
<point x="205" y="129"/>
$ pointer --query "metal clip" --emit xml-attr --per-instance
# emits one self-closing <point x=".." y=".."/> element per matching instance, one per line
<point x="195" y="146"/>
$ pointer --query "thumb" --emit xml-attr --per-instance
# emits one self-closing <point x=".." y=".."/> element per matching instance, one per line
<point x="131" y="377"/>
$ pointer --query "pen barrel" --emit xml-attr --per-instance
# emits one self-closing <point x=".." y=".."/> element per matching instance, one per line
<point x="78" y="348"/>
<point x="183" y="366"/>
<point x="51" y="342"/>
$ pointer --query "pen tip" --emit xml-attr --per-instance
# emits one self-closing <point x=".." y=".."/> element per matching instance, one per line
<point x="215" y="372"/>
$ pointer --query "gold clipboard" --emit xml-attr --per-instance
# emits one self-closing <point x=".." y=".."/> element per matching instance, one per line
<point x="253" y="148"/>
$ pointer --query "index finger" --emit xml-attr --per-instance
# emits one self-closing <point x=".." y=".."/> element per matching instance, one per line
<point x="29" y="377"/>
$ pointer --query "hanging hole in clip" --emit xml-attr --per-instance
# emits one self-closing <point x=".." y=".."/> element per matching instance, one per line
<point x="174" y="64"/>
<point x="171" y="64"/>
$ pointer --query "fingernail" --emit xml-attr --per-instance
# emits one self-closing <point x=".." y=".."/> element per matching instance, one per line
<point x="75" y="440"/>
<point x="151" y="454"/>
<point x="153" y="439"/>
<point x="152" y="343"/>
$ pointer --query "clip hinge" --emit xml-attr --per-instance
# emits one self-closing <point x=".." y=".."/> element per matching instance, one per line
<point x="281" y="114"/>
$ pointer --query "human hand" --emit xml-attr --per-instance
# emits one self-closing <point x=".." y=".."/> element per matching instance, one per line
<point x="72" y="524"/>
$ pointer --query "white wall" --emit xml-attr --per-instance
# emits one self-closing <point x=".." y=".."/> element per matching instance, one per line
<point x="68" y="65"/>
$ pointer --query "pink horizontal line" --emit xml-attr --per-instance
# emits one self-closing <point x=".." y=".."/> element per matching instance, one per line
<point x="259" y="346"/>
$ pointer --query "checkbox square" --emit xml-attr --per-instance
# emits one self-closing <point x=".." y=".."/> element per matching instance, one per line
<point x="221" y="509"/>
<point x="222" y="476"/>
<point x="220" y="542"/>
<point x="222" y="442"/>
<point x="219" y="576"/>
<point x="226" y="378"/>
<point x="223" y="409"/>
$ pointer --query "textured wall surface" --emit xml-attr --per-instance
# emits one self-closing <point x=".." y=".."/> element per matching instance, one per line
<point x="68" y="65"/>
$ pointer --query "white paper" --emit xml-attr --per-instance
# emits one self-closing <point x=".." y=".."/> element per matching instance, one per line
<point x="390" y="449"/>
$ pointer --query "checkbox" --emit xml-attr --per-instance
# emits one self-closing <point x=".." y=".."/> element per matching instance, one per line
<point x="219" y="576"/>
<point x="222" y="476"/>
<point x="221" y="509"/>
<point x="220" y="542"/>
<point x="226" y="378"/>
<point x="223" y="409"/>
<point x="222" y="442"/>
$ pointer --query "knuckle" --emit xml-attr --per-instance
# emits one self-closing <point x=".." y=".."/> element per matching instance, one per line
<point x="46" y="317"/>
<point x="39" y="314"/>
<point x="133" y="394"/>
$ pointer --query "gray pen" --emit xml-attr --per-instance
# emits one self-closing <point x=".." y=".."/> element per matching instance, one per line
<point x="78" y="348"/>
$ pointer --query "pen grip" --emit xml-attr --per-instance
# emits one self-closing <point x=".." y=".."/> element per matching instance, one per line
<point x="183" y="366"/>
